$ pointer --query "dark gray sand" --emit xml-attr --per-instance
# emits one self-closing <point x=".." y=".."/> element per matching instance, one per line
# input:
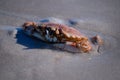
<point x="26" y="58"/>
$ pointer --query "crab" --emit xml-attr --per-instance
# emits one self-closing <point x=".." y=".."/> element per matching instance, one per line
<point x="59" y="33"/>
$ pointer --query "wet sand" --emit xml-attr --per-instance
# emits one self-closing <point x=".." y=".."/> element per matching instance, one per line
<point x="26" y="58"/>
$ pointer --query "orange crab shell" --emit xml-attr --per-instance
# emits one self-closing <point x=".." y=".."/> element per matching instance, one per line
<point x="63" y="33"/>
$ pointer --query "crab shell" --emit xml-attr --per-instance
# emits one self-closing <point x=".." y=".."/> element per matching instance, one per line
<point x="58" y="33"/>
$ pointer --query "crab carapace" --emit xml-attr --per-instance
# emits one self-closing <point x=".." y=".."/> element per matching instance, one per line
<point x="59" y="33"/>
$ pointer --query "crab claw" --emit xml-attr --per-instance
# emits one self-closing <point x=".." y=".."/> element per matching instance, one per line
<point x="82" y="43"/>
<point x="84" y="46"/>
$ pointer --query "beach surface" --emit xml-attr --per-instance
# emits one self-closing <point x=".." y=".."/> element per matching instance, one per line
<point x="26" y="58"/>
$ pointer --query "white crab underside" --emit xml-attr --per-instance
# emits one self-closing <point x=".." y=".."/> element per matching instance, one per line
<point x="46" y="38"/>
<point x="35" y="34"/>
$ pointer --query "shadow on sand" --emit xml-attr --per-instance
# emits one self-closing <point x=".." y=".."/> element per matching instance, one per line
<point x="31" y="42"/>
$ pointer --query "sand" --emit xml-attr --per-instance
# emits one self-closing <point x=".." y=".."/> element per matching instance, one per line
<point x="26" y="58"/>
